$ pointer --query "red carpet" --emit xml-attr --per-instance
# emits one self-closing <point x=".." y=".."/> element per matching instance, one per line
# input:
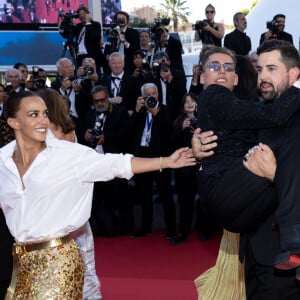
<point x="149" y="268"/>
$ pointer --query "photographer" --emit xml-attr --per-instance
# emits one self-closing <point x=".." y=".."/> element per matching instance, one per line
<point x="88" y="39"/>
<point x="151" y="137"/>
<point x="67" y="84"/>
<point x="276" y="30"/>
<point x="170" y="45"/>
<point x="208" y="31"/>
<point x="37" y="79"/>
<point x="171" y="83"/>
<point x="127" y="38"/>
<point x="106" y="128"/>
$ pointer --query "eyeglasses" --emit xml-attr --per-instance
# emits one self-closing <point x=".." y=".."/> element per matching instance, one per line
<point x="210" y="12"/>
<point x="99" y="100"/>
<point x="216" y="66"/>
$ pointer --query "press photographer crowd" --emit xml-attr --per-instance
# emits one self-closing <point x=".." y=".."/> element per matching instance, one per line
<point x="129" y="94"/>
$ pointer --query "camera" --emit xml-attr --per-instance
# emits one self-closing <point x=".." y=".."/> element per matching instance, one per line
<point x="272" y="26"/>
<point x="150" y="101"/>
<point x="88" y="70"/>
<point x="96" y="131"/>
<point x="157" y="68"/>
<point x="200" y="24"/>
<point x="38" y="82"/>
<point x="67" y="26"/>
<point x="156" y="28"/>
<point x="194" y="123"/>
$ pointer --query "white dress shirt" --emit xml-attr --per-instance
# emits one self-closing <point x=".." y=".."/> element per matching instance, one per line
<point x="57" y="197"/>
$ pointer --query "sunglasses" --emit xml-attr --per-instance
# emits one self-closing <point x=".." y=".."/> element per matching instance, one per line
<point x="216" y="66"/>
<point x="210" y="12"/>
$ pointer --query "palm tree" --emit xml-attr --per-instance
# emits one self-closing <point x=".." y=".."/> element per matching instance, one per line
<point x="176" y="11"/>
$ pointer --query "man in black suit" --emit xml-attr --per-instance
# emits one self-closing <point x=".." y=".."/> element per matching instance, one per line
<point x="170" y="45"/>
<point x="66" y="84"/>
<point x="122" y="87"/>
<point x="278" y="68"/>
<point x="128" y="38"/>
<point x="106" y="129"/>
<point x="88" y="35"/>
<point x="171" y="83"/>
<point x="276" y="30"/>
<point x="151" y="131"/>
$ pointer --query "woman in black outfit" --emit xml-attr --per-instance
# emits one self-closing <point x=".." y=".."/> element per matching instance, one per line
<point x="185" y="178"/>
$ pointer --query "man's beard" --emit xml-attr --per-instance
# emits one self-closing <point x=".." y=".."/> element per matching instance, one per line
<point x="272" y="94"/>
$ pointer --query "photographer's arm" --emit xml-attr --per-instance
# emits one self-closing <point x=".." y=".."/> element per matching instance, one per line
<point x="217" y="33"/>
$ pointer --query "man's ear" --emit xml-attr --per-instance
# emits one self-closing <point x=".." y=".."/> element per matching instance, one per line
<point x="294" y="74"/>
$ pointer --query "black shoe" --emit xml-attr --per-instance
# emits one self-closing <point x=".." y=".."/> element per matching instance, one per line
<point x="140" y="233"/>
<point x="179" y="239"/>
<point x="169" y="236"/>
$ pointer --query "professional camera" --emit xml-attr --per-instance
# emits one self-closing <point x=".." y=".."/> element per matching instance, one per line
<point x="112" y="35"/>
<point x="67" y="26"/>
<point x="88" y="70"/>
<point x="150" y="101"/>
<point x="96" y="131"/>
<point x="200" y="24"/>
<point x="38" y="82"/>
<point x="272" y="26"/>
<point x="156" y="28"/>
<point x="157" y="68"/>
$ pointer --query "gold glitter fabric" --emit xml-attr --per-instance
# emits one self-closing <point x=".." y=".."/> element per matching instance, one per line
<point x="226" y="279"/>
<point x="54" y="273"/>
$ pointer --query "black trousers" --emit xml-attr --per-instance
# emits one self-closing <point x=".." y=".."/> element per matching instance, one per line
<point x="237" y="198"/>
<point x="265" y="282"/>
<point x="6" y="241"/>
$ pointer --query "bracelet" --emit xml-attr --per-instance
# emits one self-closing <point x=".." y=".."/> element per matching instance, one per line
<point x="160" y="164"/>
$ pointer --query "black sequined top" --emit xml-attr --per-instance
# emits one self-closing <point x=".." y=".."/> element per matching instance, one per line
<point x="236" y="122"/>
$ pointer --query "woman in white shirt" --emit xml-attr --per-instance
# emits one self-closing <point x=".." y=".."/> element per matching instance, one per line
<point x="46" y="189"/>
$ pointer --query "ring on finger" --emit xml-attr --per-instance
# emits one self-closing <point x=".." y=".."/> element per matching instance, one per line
<point x="200" y="139"/>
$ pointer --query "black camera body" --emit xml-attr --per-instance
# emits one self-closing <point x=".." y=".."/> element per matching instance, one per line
<point x="156" y="28"/>
<point x="38" y="82"/>
<point x="95" y="131"/>
<point x="194" y="123"/>
<point x="272" y="26"/>
<point x="67" y="26"/>
<point x="150" y="101"/>
<point x="163" y="66"/>
<point x="200" y="24"/>
<point x="88" y="70"/>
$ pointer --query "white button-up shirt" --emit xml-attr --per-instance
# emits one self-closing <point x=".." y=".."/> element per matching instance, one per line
<point x="57" y="197"/>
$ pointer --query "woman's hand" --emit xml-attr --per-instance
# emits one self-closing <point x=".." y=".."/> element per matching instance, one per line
<point x="182" y="157"/>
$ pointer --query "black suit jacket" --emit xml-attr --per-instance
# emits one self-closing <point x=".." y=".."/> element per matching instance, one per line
<point x="175" y="91"/>
<point x="161" y="132"/>
<point x="129" y="89"/>
<point x="115" y="129"/>
<point x="92" y="41"/>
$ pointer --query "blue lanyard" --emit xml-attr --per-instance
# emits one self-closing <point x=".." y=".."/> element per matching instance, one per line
<point x="148" y="121"/>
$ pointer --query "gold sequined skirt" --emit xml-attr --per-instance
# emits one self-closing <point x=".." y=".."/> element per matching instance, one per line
<point x="225" y="280"/>
<point x="46" y="270"/>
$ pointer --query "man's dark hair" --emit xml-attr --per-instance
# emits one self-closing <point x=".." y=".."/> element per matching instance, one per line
<point x="85" y="9"/>
<point x="278" y="16"/>
<point x="289" y="54"/>
<point x="19" y="64"/>
<point x="121" y="12"/>
<point x="99" y="88"/>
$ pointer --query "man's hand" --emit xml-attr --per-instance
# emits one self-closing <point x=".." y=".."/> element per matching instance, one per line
<point x="203" y="143"/>
<point x="261" y="161"/>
